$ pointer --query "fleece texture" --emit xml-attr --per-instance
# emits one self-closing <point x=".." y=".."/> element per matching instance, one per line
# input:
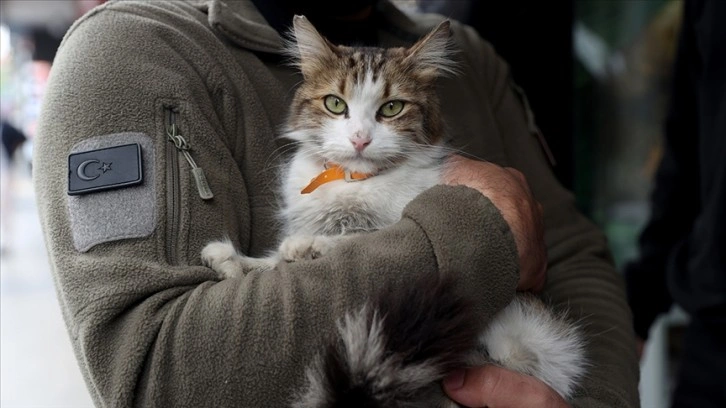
<point x="151" y="327"/>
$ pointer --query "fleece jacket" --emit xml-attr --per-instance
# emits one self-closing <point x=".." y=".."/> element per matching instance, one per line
<point x="152" y="327"/>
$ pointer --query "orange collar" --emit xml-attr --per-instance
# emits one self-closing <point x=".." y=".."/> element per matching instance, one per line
<point x="334" y="172"/>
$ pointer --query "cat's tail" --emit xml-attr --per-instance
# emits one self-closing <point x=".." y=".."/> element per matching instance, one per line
<point x="391" y="352"/>
<point x="529" y="337"/>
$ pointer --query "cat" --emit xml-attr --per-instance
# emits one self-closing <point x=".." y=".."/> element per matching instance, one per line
<point x="371" y="138"/>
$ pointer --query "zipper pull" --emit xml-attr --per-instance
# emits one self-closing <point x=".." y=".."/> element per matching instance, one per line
<point x="199" y="178"/>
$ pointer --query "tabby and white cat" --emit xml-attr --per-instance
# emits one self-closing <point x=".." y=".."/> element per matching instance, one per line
<point x="371" y="138"/>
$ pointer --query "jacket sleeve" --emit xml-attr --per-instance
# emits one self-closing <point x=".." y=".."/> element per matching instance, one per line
<point x="152" y="328"/>
<point x="581" y="275"/>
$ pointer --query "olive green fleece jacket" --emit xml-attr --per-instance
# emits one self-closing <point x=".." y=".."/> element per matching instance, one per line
<point x="151" y="327"/>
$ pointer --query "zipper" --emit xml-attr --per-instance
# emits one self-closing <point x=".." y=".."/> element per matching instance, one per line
<point x="178" y="145"/>
<point x="173" y="196"/>
<point x="181" y="144"/>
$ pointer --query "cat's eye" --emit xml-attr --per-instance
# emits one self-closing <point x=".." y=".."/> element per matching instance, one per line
<point x="391" y="108"/>
<point x="335" y="104"/>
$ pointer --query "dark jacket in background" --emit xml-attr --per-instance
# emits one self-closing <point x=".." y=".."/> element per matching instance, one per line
<point x="683" y="248"/>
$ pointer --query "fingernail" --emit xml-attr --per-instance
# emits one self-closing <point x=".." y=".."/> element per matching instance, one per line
<point x="455" y="380"/>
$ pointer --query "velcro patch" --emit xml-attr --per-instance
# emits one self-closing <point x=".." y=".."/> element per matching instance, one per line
<point x="99" y="210"/>
<point x="104" y="169"/>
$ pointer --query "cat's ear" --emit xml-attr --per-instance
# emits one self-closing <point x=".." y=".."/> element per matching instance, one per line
<point x="309" y="50"/>
<point x="433" y="54"/>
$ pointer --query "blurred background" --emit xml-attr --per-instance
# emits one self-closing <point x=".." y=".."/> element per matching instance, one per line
<point x="596" y="73"/>
<point x="37" y="365"/>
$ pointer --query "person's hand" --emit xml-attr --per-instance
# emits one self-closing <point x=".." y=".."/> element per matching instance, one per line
<point x="492" y="386"/>
<point x="508" y="190"/>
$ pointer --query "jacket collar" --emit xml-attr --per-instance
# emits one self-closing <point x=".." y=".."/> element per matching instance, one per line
<point x="240" y="22"/>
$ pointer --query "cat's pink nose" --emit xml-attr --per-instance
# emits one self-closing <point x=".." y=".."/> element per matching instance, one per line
<point x="360" y="142"/>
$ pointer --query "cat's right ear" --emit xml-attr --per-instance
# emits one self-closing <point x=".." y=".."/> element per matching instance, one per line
<point x="309" y="50"/>
<point x="433" y="54"/>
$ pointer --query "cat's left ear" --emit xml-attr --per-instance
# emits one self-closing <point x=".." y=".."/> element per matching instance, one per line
<point x="433" y="54"/>
<point x="309" y="49"/>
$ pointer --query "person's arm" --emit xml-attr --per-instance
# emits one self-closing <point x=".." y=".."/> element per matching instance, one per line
<point x="581" y="276"/>
<point x="675" y="200"/>
<point x="151" y="326"/>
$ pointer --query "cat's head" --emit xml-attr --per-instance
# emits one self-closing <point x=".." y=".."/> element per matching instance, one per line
<point x="365" y="108"/>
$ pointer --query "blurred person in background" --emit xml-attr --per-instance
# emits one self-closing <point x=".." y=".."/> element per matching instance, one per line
<point x="683" y="246"/>
<point x="151" y="326"/>
<point x="12" y="140"/>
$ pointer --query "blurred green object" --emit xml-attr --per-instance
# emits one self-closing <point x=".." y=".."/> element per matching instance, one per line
<point x="624" y="50"/>
<point x="618" y="22"/>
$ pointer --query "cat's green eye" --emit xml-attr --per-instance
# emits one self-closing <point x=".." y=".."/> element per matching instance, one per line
<point x="335" y="104"/>
<point x="391" y="108"/>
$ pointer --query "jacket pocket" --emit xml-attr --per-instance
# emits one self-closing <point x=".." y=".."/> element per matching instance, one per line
<point x="179" y="158"/>
<point x="532" y="124"/>
<point x="173" y="188"/>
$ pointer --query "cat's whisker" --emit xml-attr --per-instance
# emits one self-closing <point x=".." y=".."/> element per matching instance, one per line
<point x="449" y="151"/>
<point x="274" y="162"/>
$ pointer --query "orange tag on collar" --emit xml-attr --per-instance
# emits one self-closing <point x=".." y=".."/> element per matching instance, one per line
<point x="333" y="173"/>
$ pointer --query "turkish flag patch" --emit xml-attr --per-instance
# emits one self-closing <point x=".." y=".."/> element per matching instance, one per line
<point x="104" y="169"/>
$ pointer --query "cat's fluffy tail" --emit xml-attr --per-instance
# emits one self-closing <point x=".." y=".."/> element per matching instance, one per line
<point x="390" y="352"/>
<point x="528" y="337"/>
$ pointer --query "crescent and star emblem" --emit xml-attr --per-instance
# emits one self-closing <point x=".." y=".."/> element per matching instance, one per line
<point x="81" y="171"/>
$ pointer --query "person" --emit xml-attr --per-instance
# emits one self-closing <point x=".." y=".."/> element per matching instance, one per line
<point x="151" y="326"/>
<point x="12" y="139"/>
<point x="681" y="248"/>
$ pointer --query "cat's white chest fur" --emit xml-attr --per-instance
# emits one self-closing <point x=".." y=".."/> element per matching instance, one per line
<point x="343" y="207"/>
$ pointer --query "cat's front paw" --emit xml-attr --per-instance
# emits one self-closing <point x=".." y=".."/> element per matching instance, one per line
<point x="223" y="258"/>
<point x="299" y="247"/>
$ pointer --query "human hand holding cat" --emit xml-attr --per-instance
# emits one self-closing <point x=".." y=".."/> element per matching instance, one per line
<point x="493" y="386"/>
<point x="508" y="190"/>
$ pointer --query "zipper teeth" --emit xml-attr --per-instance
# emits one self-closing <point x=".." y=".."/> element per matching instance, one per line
<point x="173" y="199"/>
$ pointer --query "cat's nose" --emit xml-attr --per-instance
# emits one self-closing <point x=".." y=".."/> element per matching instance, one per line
<point x="360" y="142"/>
